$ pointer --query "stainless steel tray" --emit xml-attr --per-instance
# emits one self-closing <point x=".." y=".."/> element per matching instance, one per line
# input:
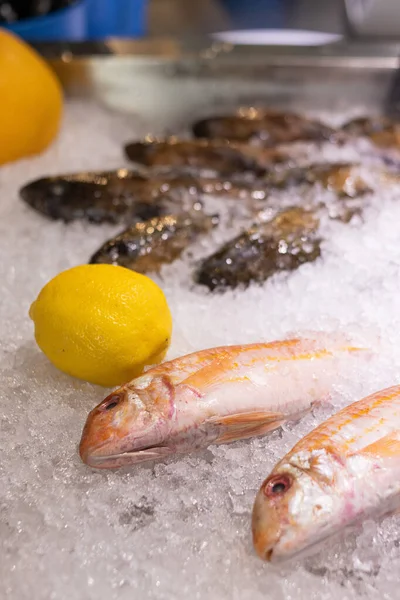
<point x="167" y="81"/>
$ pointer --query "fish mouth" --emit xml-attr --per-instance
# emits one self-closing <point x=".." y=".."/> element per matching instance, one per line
<point x="132" y="457"/>
<point x="274" y="557"/>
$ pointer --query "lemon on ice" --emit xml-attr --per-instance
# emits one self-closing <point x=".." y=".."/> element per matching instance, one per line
<point x="102" y="323"/>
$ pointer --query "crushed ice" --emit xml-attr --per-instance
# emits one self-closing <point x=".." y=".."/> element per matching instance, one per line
<point x="179" y="529"/>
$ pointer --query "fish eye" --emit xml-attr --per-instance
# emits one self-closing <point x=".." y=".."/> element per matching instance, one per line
<point x="111" y="402"/>
<point x="277" y="485"/>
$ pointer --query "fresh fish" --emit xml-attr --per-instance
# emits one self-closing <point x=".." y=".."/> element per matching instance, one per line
<point x="223" y="157"/>
<point x="284" y="243"/>
<point x="123" y="195"/>
<point x="346" y="470"/>
<point x="345" y="179"/>
<point x="213" y="396"/>
<point x="383" y="132"/>
<point x="266" y="127"/>
<point x="146" y="246"/>
<point x="109" y="196"/>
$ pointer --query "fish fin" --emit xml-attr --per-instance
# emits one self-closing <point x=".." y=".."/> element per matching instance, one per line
<point x="386" y="447"/>
<point x="248" y="432"/>
<point x="245" y="418"/>
<point x="244" y="425"/>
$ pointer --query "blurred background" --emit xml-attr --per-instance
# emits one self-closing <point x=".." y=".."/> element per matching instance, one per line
<point x="215" y="15"/>
<point x="82" y="20"/>
<point x="78" y="20"/>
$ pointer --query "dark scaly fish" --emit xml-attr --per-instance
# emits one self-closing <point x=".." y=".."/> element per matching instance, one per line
<point x="124" y="195"/>
<point x="267" y="127"/>
<point x="146" y="246"/>
<point x="342" y="178"/>
<point x="110" y="196"/>
<point x="349" y="182"/>
<point x="282" y="244"/>
<point x="220" y="156"/>
<point x="382" y="131"/>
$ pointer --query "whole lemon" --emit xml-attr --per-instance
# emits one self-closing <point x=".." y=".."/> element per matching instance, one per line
<point x="31" y="100"/>
<point x="102" y="323"/>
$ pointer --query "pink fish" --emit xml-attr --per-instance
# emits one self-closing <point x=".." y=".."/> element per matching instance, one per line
<point x="345" y="470"/>
<point x="213" y="396"/>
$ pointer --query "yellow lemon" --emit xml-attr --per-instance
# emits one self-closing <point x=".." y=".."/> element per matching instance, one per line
<point x="31" y="100"/>
<point x="102" y="323"/>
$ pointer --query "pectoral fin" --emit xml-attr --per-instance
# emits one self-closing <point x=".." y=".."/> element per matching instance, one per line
<point x="245" y="425"/>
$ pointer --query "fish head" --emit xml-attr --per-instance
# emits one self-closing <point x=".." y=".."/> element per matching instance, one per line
<point x="131" y="425"/>
<point x="302" y="502"/>
<point x="45" y="192"/>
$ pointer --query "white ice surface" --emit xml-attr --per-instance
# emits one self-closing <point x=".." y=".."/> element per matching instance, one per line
<point x="181" y="529"/>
